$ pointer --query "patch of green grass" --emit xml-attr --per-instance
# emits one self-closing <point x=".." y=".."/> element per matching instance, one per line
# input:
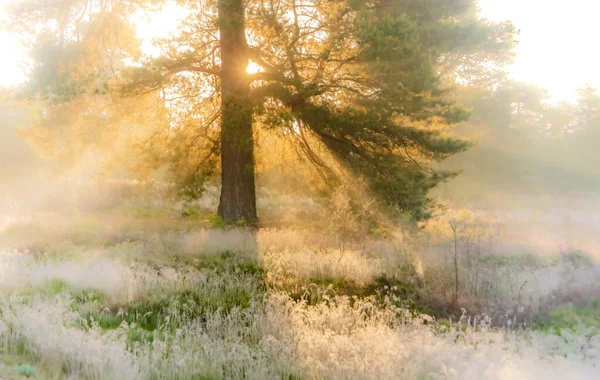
<point x="88" y="296"/>
<point x="337" y="284"/>
<point x="140" y="211"/>
<point x="191" y="212"/>
<point x="162" y="311"/>
<point x="316" y="289"/>
<point x="383" y="289"/>
<point x="25" y="236"/>
<point x="63" y="251"/>
<point x="570" y="317"/>
<point x="525" y="259"/>
<point x="18" y="231"/>
<point x="252" y="268"/>
<point x="148" y="315"/>
<point x="161" y="315"/>
<point x="56" y="286"/>
<point x="23" y="366"/>
<point x="142" y="337"/>
<point x="225" y="261"/>
<point x="216" y="222"/>
<point x="14" y="359"/>
<point x="402" y="293"/>
<point x="212" y="262"/>
<point x="27" y="370"/>
<point x="578" y="258"/>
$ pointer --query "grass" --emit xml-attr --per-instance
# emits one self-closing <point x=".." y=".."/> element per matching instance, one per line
<point x="380" y="290"/>
<point x="26" y="370"/>
<point x="526" y="259"/>
<point x="150" y="313"/>
<point x="178" y="302"/>
<point x="572" y="317"/>
<point x="96" y="230"/>
<point x="19" y="367"/>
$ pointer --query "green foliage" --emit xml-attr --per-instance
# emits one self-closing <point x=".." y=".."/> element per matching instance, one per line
<point x="374" y="91"/>
<point x="217" y="222"/>
<point x="578" y="258"/>
<point x="226" y="262"/>
<point x="16" y="158"/>
<point x="157" y="311"/>
<point x="526" y="144"/>
<point x="191" y="185"/>
<point x="88" y="296"/>
<point x="382" y="290"/>
<point x="161" y="312"/>
<point x="572" y="317"/>
<point x="140" y="211"/>
<point x="57" y="286"/>
<point x="27" y="370"/>
<point x="525" y="259"/>
<point x="390" y="138"/>
<point x="403" y="293"/>
<point x="191" y="212"/>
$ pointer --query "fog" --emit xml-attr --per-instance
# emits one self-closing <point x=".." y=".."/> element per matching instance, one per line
<point x="298" y="189"/>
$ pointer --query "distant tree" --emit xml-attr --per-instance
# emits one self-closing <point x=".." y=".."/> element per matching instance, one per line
<point x="16" y="157"/>
<point x="527" y="144"/>
<point x="370" y="82"/>
<point x="582" y="142"/>
<point x="588" y="107"/>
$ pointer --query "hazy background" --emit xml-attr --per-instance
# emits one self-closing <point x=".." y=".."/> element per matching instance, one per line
<point x="535" y="157"/>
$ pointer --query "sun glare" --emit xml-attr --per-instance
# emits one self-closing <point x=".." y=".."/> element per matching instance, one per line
<point x="153" y="25"/>
<point x="253" y="68"/>
<point x="11" y="70"/>
<point x="545" y="56"/>
<point x="560" y="59"/>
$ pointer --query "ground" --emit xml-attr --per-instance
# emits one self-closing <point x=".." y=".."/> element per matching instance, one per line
<point x="142" y="290"/>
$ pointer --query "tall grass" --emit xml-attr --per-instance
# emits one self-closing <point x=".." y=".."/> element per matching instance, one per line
<point x="129" y="288"/>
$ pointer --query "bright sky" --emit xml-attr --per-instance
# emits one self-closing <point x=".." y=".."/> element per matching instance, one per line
<point x="11" y="71"/>
<point x="558" y="47"/>
<point x="149" y="28"/>
<point x="557" y="50"/>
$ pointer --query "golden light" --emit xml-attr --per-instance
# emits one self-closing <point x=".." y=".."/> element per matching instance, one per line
<point x="11" y="66"/>
<point x="253" y="68"/>
<point x="161" y="24"/>
<point x="546" y="55"/>
<point x="558" y="59"/>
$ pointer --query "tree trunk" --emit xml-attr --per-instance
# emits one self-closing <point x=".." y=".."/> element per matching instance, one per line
<point x="238" y="193"/>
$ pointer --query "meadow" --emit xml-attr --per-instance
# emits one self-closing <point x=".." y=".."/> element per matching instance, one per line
<point x="121" y="282"/>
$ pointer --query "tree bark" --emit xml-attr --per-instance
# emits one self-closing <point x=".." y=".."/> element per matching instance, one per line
<point x="238" y="192"/>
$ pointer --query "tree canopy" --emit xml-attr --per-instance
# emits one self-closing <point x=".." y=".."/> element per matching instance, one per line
<point x="360" y="88"/>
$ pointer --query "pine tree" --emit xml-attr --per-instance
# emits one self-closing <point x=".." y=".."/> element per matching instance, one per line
<point x="369" y="81"/>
